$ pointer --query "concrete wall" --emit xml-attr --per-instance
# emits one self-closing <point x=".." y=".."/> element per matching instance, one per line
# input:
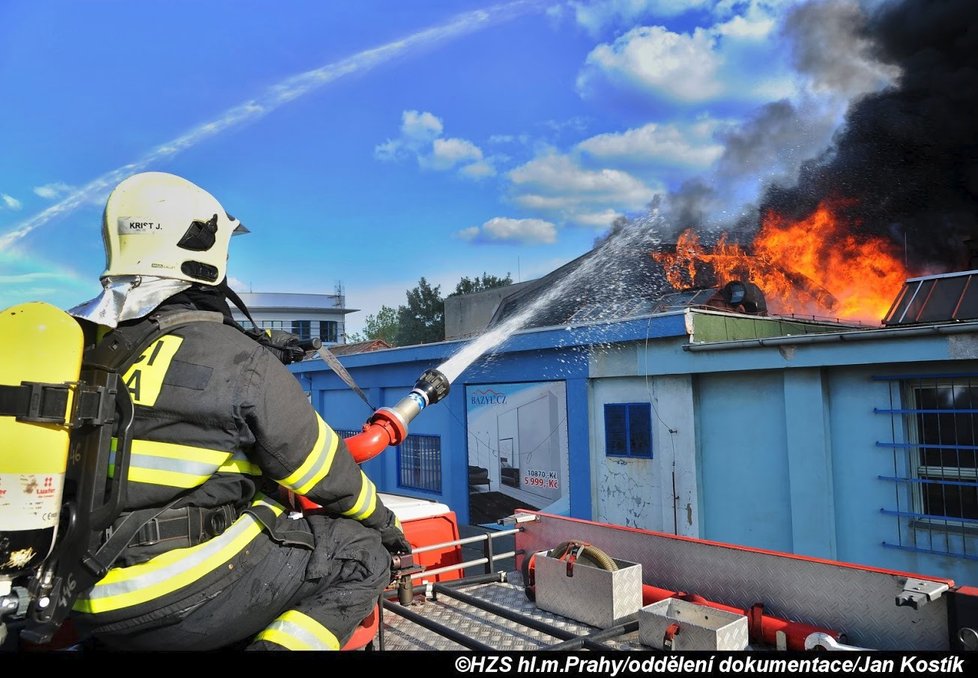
<point x="658" y="493"/>
<point x="743" y="467"/>
<point x="789" y="461"/>
<point x="469" y="314"/>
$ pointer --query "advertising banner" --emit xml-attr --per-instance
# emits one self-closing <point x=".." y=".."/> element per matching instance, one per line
<point x="517" y="440"/>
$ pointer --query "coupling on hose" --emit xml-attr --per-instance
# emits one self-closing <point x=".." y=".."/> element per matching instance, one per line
<point x="389" y="425"/>
<point x="431" y="387"/>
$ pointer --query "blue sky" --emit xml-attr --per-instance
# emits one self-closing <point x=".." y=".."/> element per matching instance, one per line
<point x="371" y="143"/>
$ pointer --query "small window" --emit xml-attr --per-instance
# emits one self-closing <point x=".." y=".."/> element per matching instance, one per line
<point x="301" y="329"/>
<point x="328" y="331"/>
<point x="628" y="430"/>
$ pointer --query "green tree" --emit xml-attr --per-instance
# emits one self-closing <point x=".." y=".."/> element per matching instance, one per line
<point x="477" y="284"/>
<point x="422" y="321"/>
<point x="383" y="326"/>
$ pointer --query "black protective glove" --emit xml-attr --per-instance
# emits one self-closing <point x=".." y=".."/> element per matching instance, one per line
<point x="287" y="347"/>
<point x="393" y="538"/>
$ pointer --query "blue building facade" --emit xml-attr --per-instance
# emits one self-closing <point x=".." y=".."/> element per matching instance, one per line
<point x="831" y="442"/>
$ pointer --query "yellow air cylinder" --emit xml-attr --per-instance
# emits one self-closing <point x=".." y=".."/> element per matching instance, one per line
<point x="38" y="343"/>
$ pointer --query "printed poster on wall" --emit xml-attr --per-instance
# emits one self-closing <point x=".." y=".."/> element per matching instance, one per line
<point x="517" y="439"/>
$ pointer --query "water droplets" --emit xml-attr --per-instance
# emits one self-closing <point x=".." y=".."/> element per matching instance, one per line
<point x="606" y="265"/>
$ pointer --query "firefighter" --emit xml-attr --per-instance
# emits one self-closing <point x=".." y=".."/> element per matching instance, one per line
<point x="216" y="560"/>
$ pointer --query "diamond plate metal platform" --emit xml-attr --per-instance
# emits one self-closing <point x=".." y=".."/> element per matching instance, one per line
<point x="487" y="627"/>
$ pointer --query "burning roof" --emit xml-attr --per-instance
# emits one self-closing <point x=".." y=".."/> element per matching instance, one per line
<point x="818" y="265"/>
<point x="895" y="197"/>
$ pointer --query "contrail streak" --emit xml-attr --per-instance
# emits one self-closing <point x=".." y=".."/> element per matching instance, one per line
<point x="275" y="96"/>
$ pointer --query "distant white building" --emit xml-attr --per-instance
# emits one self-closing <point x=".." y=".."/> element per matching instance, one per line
<point x="306" y="315"/>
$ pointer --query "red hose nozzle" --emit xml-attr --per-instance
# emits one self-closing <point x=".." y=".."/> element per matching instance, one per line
<point x="389" y="425"/>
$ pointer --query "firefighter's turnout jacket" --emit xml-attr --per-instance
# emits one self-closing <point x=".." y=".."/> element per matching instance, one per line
<point x="217" y="418"/>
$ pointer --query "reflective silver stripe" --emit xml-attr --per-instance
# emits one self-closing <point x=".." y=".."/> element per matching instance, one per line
<point x="192" y="468"/>
<point x="366" y="500"/>
<point x="317" y="462"/>
<point x="171" y="464"/>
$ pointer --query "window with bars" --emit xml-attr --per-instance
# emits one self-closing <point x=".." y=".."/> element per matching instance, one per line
<point x="935" y="462"/>
<point x="628" y="430"/>
<point x="419" y="463"/>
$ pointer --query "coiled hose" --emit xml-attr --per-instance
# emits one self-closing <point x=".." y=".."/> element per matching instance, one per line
<point x="578" y="549"/>
<point x="587" y="552"/>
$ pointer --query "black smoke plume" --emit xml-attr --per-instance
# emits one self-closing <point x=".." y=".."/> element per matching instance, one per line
<point x="906" y="160"/>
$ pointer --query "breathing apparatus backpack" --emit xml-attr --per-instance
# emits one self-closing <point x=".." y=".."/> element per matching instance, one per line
<point x="65" y="437"/>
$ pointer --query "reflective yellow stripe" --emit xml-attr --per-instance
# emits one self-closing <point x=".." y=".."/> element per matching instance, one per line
<point x="284" y="639"/>
<point x="294" y="630"/>
<point x="238" y="463"/>
<point x="369" y="511"/>
<point x="168" y="572"/>
<point x="182" y="466"/>
<point x="366" y="501"/>
<point x="170" y="464"/>
<point x="317" y="463"/>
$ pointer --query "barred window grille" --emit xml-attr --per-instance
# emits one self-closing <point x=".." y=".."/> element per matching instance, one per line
<point x="419" y="463"/>
<point x="934" y="442"/>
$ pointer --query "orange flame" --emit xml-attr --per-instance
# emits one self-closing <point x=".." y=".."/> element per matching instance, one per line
<point x="815" y="266"/>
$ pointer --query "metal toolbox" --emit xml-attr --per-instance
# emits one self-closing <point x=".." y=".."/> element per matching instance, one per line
<point x="680" y="625"/>
<point x="586" y="593"/>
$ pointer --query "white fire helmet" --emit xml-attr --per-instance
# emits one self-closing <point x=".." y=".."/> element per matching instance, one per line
<point x="162" y="225"/>
<point x="162" y="234"/>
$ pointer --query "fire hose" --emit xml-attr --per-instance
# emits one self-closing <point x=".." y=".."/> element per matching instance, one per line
<point x="388" y="425"/>
<point x="761" y="627"/>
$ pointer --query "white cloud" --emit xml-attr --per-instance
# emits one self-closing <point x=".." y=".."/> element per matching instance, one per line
<point x="507" y="230"/>
<point x="54" y="190"/>
<point x="420" y="127"/>
<point x="421" y="136"/>
<point x="598" y="220"/>
<point x="595" y="15"/>
<point x="418" y="130"/>
<point x="509" y="139"/>
<point x="559" y="187"/>
<point x="447" y="153"/>
<point x="469" y="233"/>
<point x="10" y="201"/>
<point x="735" y="59"/>
<point x="751" y="28"/>
<point x="560" y="175"/>
<point x="679" y="66"/>
<point x="577" y="124"/>
<point x="478" y="170"/>
<point x="389" y="150"/>
<point x="692" y="146"/>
